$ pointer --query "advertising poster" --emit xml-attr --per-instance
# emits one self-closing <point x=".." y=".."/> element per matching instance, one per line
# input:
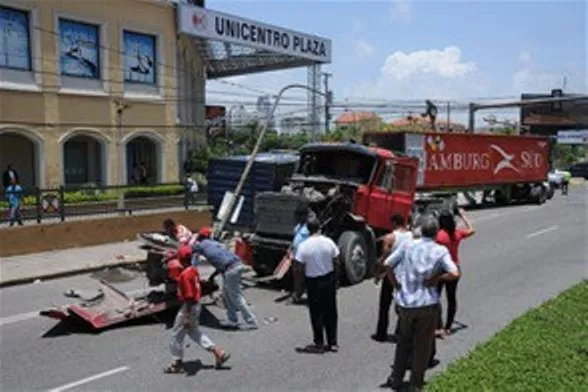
<point x="14" y="39"/>
<point x="80" y="49"/>
<point x="140" y="58"/>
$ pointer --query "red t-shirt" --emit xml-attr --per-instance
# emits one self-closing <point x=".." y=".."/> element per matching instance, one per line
<point x="189" y="285"/>
<point x="452" y="245"/>
<point x="174" y="269"/>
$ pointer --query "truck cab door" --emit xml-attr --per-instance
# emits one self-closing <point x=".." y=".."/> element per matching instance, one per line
<point x="380" y="198"/>
<point x="402" y="194"/>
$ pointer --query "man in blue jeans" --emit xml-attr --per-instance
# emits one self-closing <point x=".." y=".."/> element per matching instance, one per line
<point x="230" y="266"/>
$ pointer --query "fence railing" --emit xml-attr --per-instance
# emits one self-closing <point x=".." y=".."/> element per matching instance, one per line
<point x="62" y="203"/>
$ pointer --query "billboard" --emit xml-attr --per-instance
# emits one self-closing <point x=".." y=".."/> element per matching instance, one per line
<point x="552" y="117"/>
<point x="578" y="137"/>
<point x="218" y="26"/>
<point x="216" y="120"/>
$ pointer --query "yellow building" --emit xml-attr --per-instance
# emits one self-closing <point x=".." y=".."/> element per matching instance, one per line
<point x="100" y="91"/>
<point x="66" y="67"/>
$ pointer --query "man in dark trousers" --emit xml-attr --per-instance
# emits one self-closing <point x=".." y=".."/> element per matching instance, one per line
<point x="391" y="241"/>
<point x="318" y="257"/>
<point x="9" y="176"/>
<point x="415" y="269"/>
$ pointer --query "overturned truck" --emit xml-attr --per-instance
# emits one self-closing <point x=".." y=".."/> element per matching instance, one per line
<point x="352" y="189"/>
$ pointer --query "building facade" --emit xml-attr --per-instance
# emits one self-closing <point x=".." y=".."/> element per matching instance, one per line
<point x="88" y="92"/>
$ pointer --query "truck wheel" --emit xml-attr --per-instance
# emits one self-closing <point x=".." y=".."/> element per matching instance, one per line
<point x="354" y="255"/>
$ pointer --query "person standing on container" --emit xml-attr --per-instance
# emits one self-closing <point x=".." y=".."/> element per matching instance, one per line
<point x="187" y="321"/>
<point x="230" y="266"/>
<point x="415" y="269"/>
<point x="318" y="257"/>
<point x="450" y="237"/>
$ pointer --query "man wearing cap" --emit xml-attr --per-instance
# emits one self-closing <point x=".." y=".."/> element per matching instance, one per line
<point x="230" y="266"/>
<point x="187" y="319"/>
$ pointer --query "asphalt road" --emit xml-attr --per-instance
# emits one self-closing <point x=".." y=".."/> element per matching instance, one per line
<point x="520" y="257"/>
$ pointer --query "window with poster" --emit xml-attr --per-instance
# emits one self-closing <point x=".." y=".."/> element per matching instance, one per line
<point x="15" y="45"/>
<point x="79" y="47"/>
<point x="140" y="53"/>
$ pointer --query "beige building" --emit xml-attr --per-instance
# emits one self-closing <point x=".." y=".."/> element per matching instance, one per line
<point x="64" y="65"/>
<point x="100" y="91"/>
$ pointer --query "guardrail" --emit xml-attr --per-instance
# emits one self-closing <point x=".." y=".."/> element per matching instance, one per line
<point x="63" y="203"/>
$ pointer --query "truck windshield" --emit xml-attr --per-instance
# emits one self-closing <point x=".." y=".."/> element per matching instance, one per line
<point x="336" y="164"/>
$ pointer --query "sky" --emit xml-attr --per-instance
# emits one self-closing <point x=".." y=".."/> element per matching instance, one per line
<point x="436" y="49"/>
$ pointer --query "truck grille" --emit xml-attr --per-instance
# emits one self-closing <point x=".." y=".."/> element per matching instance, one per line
<point x="274" y="213"/>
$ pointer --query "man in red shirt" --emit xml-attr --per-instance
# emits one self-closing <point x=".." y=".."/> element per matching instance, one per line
<point x="177" y="231"/>
<point x="187" y="319"/>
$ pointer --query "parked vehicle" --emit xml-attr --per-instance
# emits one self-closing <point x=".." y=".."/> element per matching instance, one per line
<point x="579" y="170"/>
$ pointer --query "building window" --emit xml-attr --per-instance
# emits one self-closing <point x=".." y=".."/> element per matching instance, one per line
<point x="79" y="45"/>
<point x="140" y="58"/>
<point x="15" y="45"/>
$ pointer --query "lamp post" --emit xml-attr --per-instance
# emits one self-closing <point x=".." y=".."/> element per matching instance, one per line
<point x="121" y="106"/>
<point x="250" y="162"/>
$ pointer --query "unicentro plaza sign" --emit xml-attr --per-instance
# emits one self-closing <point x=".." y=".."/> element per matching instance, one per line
<point x="205" y="23"/>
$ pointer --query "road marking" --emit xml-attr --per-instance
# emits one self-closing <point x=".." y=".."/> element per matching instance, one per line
<point x="89" y="379"/>
<point x="18" y="317"/>
<point x="535" y="234"/>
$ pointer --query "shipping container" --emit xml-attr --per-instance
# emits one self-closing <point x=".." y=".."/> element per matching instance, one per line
<point x="268" y="174"/>
<point x="466" y="161"/>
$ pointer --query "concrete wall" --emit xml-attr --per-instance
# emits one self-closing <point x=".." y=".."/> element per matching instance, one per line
<point x="49" y="108"/>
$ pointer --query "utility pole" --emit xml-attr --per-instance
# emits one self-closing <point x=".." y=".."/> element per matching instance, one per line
<point x="328" y="99"/>
<point x="448" y="116"/>
<point x="121" y="106"/>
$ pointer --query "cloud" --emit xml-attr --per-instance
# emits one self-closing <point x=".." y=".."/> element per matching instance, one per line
<point x="363" y="48"/>
<point x="529" y="78"/>
<point x="424" y="74"/>
<point x="401" y="10"/>
<point x="446" y="63"/>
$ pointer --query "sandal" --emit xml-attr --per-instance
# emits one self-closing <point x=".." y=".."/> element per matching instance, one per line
<point x="220" y="361"/>
<point x="174" y="368"/>
<point x="311" y="349"/>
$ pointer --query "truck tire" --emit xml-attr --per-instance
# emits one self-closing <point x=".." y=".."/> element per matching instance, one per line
<point x="538" y="194"/>
<point x="354" y="256"/>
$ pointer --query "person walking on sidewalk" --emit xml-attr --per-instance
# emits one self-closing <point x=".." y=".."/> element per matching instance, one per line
<point x="451" y="237"/>
<point x="187" y="320"/>
<point x="230" y="267"/>
<point x="14" y="196"/>
<point x="415" y="269"/>
<point x="318" y="257"/>
<point x="391" y="241"/>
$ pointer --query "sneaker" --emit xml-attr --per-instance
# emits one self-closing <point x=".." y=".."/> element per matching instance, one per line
<point x="229" y="324"/>
<point x="379" y="338"/>
<point x="248" y="326"/>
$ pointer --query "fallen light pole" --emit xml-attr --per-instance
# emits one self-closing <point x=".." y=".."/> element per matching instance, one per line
<point x="235" y="196"/>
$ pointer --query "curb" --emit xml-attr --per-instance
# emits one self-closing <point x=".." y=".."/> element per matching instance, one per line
<point x="71" y="272"/>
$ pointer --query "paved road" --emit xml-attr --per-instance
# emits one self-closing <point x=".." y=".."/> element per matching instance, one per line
<point x="520" y="257"/>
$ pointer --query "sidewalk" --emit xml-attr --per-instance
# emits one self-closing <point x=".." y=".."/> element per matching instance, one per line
<point x="60" y="263"/>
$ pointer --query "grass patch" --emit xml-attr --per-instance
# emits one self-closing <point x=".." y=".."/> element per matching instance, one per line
<point x="546" y="349"/>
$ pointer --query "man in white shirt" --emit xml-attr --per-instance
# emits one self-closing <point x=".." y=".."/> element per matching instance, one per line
<point x="415" y="269"/>
<point x="317" y="257"/>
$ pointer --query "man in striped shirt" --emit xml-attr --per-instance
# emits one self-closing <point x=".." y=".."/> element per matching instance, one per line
<point x="415" y="268"/>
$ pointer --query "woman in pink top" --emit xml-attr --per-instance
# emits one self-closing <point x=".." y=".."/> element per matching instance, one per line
<point x="450" y="236"/>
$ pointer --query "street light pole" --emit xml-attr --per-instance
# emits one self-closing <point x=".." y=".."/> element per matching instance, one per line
<point x="327" y="101"/>
<point x="251" y="161"/>
<point x="121" y="106"/>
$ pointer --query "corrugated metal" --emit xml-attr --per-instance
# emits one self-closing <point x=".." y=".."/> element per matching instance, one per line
<point x="269" y="173"/>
